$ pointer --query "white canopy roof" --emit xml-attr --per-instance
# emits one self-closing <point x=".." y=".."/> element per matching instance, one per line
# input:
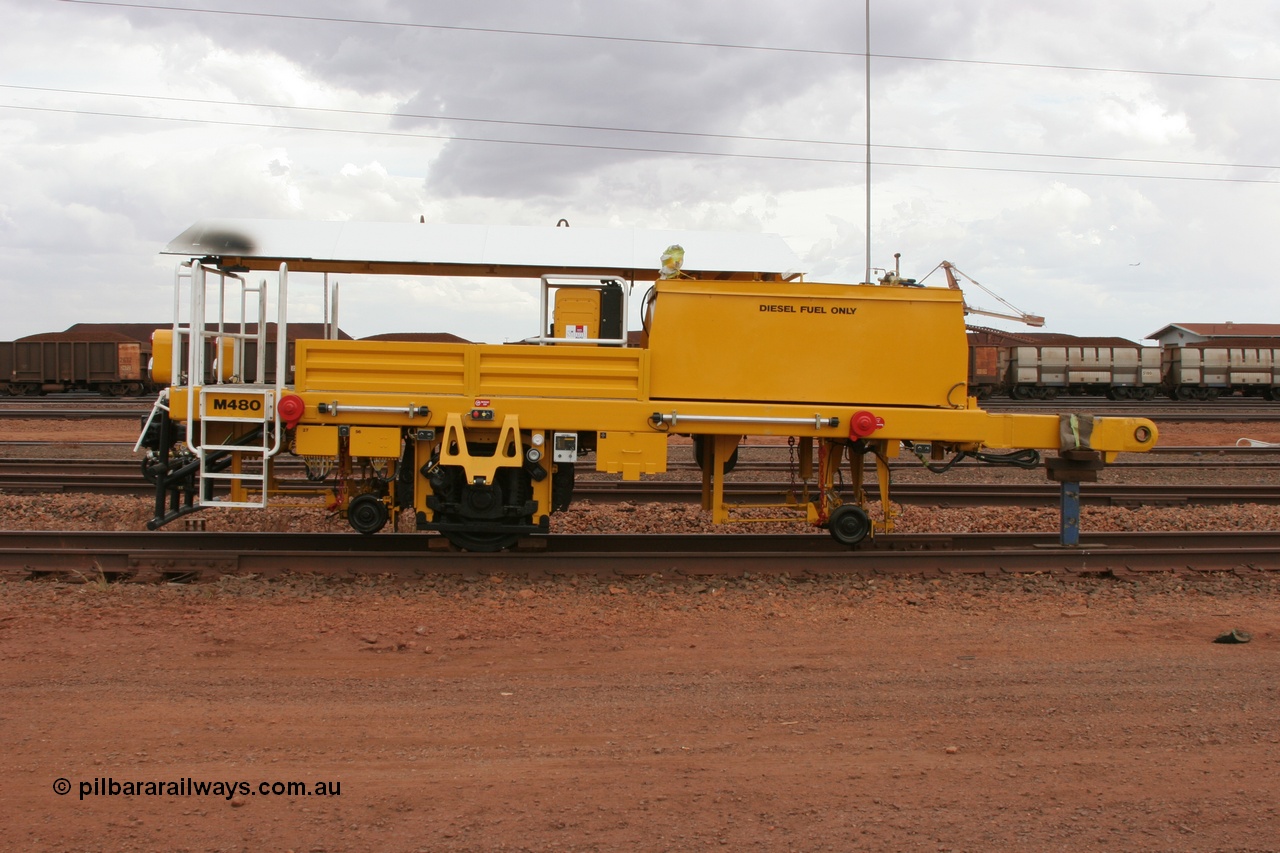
<point x="489" y="249"/>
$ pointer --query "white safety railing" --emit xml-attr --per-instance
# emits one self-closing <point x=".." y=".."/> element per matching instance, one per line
<point x="225" y="313"/>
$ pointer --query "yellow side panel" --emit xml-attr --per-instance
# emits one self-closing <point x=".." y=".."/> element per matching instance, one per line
<point x="481" y="370"/>
<point x="375" y="441"/>
<point x="796" y="342"/>
<point x="381" y="366"/>
<point x="316" y="441"/>
<point x="631" y="453"/>
<point x="561" y="371"/>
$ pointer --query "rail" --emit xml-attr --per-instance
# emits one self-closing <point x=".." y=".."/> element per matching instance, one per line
<point x="121" y="477"/>
<point x="169" y="557"/>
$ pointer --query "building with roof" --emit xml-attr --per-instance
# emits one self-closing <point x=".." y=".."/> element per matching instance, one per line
<point x="1177" y="334"/>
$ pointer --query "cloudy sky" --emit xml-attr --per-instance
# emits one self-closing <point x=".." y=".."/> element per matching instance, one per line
<point x="1109" y="165"/>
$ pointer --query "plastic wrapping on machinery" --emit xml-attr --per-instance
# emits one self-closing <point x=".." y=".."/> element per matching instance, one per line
<point x="1076" y="432"/>
<point x="672" y="261"/>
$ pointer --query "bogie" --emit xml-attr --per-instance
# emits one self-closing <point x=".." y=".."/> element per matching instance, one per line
<point x="478" y="514"/>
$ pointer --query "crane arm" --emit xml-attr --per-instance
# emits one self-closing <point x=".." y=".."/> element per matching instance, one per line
<point x="951" y="270"/>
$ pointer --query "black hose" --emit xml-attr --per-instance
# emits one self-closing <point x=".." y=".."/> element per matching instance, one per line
<point x="1027" y="458"/>
<point x="1018" y="458"/>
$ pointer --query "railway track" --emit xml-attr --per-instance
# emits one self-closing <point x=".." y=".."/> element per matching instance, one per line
<point x="180" y="556"/>
<point x="198" y="556"/>
<point x="43" y="476"/>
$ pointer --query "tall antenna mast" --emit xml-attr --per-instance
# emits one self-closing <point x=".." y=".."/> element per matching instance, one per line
<point x="868" y="104"/>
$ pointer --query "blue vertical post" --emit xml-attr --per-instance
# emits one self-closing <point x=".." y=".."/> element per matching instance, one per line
<point x="1070" y="524"/>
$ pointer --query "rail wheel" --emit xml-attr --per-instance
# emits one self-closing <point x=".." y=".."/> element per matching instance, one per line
<point x="849" y="524"/>
<point x="367" y="514"/>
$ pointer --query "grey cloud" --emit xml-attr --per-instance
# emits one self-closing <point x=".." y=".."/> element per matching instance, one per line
<point x="90" y="198"/>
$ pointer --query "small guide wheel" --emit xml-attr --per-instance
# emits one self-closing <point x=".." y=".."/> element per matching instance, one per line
<point x="849" y="524"/>
<point x="367" y="514"/>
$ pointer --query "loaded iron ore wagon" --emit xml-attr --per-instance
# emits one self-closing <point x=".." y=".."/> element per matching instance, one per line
<point x="109" y="359"/>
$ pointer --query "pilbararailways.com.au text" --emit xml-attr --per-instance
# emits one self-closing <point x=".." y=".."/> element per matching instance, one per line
<point x="188" y="787"/>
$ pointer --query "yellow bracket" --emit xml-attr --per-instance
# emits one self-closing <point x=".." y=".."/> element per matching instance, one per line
<point x="508" y="454"/>
<point x="882" y="478"/>
<point x="830" y="455"/>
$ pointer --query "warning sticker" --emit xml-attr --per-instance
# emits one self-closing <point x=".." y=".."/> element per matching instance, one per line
<point x="576" y="333"/>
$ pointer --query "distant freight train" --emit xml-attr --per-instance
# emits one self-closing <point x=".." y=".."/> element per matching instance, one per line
<point x="112" y="359"/>
<point x="1043" y="366"/>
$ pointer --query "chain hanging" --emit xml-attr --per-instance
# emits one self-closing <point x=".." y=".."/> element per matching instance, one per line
<point x="791" y="466"/>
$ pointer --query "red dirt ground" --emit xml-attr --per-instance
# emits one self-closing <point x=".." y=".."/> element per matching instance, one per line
<point x="965" y="714"/>
<point x="1008" y="714"/>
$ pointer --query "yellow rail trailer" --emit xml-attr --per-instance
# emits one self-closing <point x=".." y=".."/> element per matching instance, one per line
<point x="482" y="441"/>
